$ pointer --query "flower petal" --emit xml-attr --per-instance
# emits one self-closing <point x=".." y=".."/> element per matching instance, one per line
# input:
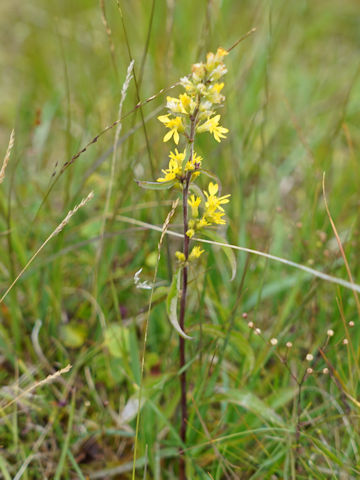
<point x="168" y="136"/>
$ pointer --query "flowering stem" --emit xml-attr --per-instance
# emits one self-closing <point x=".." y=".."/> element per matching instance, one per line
<point x="195" y="108"/>
<point x="183" y="385"/>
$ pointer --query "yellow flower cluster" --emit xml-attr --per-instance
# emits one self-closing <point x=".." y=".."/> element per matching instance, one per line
<point x="195" y="254"/>
<point x="212" y="212"/>
<point x="202" y="93"/>
<point x="193" y="112"/>
<point x="178" y="167"/>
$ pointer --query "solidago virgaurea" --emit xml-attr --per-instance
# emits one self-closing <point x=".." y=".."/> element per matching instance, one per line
<point x="192" y="113"/>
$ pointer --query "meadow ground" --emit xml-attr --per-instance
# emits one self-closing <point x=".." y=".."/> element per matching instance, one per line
<point x="258" y="409"/>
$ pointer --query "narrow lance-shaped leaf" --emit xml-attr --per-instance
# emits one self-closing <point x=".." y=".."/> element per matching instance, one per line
<point x="211" y="175"/>
<point x="171" y="304"/>
<point x="156" y="185"/>
<point x="250" y="402"/>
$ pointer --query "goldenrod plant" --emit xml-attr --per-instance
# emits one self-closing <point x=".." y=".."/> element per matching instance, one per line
<point x="192" y="113"/>
<point x="272" y="363"/>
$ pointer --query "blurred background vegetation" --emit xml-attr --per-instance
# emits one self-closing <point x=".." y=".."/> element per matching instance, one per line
<point x="293" y="110"/>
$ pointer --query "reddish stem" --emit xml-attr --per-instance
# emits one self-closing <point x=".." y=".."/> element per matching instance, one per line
<point x="183" y="385"/>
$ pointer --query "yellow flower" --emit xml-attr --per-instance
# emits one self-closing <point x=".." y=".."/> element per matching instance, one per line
<point x="175" y="166"/>
<point x="189" y="167"/>
<point x="180" y="256"/>
<point x="221" y="53"/>
<point x="187" y="84"/>
<point x="202" y="223"/>
<point x="190" y="233"/>
<point x="214" y="63"/>
<point x="171" y="172"/>
<point x="175" y="105"/>
<point x="216" y="58"/>
<point x="212" y="125"/>
<point x="194" y="163"/>
<point x="194" y="203"/>
<point x="178" y="156"/>
<point x="218" y="87"/>
<point x="213" y="94"/>
<point x="213" y="202"/>
<point x="213" y="209"/>
<point x="174" y="124"/>
<point x="215" y="217"/>
<point x="188" y="103"/>
<point x="213" y="188"/>
<point x="195" y="253"/>
<point x="198" y="72"/>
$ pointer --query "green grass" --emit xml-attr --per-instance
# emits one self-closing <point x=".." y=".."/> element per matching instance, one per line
<point x="293" y="110"/>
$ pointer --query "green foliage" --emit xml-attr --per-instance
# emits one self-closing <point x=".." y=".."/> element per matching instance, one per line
<point x="172" y="302"/>
<point x="292" y="108"/>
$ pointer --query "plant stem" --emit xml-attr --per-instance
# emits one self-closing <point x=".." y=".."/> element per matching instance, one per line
<point x="298" y="427"/>
<point x="183" y="385"/>
<point x="182" y="475"/>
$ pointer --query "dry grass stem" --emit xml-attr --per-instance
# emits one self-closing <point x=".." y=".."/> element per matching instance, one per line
<point x="45" y="381"/>
<point x="124" y="90"/>
<point x="108" y="33"/>
<point x="70" y="214"/>
<point x="311" y="271"/>
<point x="338" y="240"/>
<point x="57" y="230"/>
<point x="163" y="232"/>
<point x="7" y="156"/>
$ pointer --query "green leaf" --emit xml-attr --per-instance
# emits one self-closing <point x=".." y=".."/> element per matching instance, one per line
<point x="211" y="175"/>
<point x="271" y="463"/>
<point x="197" y="190"/>
<point x="171" y="304"/>
<point x="134" y="355"/>
<point x="117" y="340"/>
<point x="75" y="465"/>
<point x="229" y="253"/>
<point x="66" y="442"/>
<point x="160" y="293"/>
<point x="156" y="185"/>
<point x="281" y="397"/>
<point x="252" y="403"/>
<point x="151" y="259"/>
<point x="327" y="452"/>
<point x="3" y="469"/>
<point x="237" y="341"/>
<point x="73" y="336"/>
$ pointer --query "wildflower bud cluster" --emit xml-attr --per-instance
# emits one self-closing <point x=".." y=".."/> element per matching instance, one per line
<point x="192" y="113"/>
